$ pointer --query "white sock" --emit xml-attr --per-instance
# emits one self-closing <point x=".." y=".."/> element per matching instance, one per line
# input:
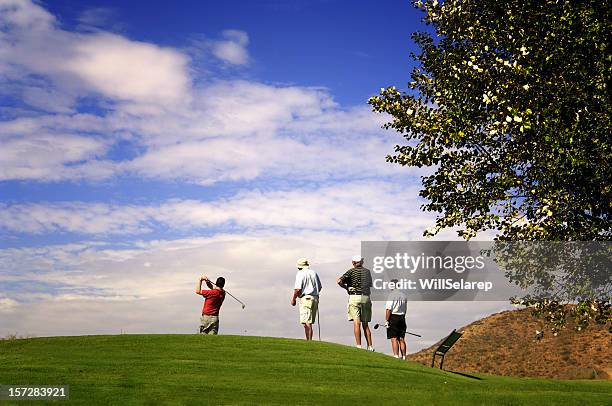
<point x="357" y="346"/>
<point x="396" y="356"/>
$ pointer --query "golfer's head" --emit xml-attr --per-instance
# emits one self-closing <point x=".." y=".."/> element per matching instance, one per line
<point x="302" y="263"/>
<point x="357" y="260"/>
<point x="220" y="282"/>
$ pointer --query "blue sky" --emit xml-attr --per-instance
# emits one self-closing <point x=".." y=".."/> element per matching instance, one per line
<point x="353" y="48"/>
<point x="350" y="49"/>
<point x="143" y="144"/>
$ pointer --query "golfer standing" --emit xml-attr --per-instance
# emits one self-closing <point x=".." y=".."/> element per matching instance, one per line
<point x="395" y="316"/>
<point x="357" y="282"/>
<point x="307" y="287"/>
<point x="214" y="297"/>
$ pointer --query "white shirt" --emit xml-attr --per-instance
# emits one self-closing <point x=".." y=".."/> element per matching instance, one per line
<point x="308" y="282"/>
<point x="396" y="302"/>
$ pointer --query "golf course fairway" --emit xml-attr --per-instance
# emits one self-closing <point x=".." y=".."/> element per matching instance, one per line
<point x="193" y="369"/>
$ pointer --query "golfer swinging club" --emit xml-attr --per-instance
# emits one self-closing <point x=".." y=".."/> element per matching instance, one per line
<point x="307" y="287"/>
<point x="357" y="282"/>
<point x="214" y="297"/>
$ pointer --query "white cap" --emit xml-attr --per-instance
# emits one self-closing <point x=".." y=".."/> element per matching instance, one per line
<point x="302" y="263"/>
<point x="357" y="258"/>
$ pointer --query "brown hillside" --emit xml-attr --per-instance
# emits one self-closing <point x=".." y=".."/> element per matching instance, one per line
<point x="503" y="344"/>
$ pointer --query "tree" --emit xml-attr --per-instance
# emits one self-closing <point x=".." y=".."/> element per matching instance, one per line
<point x="510" y="106"/>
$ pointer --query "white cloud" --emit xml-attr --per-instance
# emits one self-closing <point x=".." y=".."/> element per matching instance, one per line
<point x="56" y="123"/>
<point x="94" y="19"/>
<point x="226" y="109"/>
<point x="128" y="70"/>
<point x="240" y="130"/>
<point x="227" y="130"/>
<point x="7" y="305"/>
<point x="96" y="218"/>
<point x="216" y="160"/>
<point x="233" y="130"/>
<point x="107" y="64"/>
<point x="358" y="206"/>
<point x="48" y="99"/>
<point x="350" y="208"/>
<point x="233" y="48"/>
<point x="48" y="157"/>
<point x="25" y="14"/>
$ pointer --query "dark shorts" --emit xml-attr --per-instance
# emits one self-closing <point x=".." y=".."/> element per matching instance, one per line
<point x="397" y="326"/>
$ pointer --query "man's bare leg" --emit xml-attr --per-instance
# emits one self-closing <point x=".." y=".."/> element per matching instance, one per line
<point x="402" y="347"/>
<point x="357" y="332"/>
<point x="308" y="331"/>
<point x="394" y="346"/>
<point x="367" y="333"/>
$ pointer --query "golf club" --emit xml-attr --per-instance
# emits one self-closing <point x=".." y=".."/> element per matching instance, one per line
<point x="235" y="298"/>
<point x="319" y="322"/>
<point x="407" y="332"/>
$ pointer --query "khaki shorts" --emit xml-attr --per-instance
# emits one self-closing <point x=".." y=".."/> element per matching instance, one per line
<point x="209" y="324"/>
<point x="359" y="308"/>
<point x="309" y="306"/>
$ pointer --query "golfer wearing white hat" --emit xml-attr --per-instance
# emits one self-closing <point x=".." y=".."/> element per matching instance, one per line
<point x="307" y="287"/>
<point x="357" y="282"/>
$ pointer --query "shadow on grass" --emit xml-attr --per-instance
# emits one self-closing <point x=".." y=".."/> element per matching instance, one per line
<point x="466" y="375"/>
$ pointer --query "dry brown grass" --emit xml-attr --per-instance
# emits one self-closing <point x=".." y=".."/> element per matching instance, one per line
<point x="503" y="344"/>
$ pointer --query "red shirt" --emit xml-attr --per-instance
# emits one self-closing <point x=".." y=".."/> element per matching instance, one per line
<point x="213" y="302"/>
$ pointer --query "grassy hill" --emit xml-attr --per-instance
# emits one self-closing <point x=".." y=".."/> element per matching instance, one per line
<point x="192" y="369"/>
<point x="503" y="344"/>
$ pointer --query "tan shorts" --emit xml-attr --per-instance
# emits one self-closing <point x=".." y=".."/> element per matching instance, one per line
<point x="209" y="324"/>
<point x="309" y="306"/>
<point x="359" y="308"/>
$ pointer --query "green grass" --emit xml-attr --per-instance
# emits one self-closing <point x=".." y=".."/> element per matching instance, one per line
<point x="193" y="369"/>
